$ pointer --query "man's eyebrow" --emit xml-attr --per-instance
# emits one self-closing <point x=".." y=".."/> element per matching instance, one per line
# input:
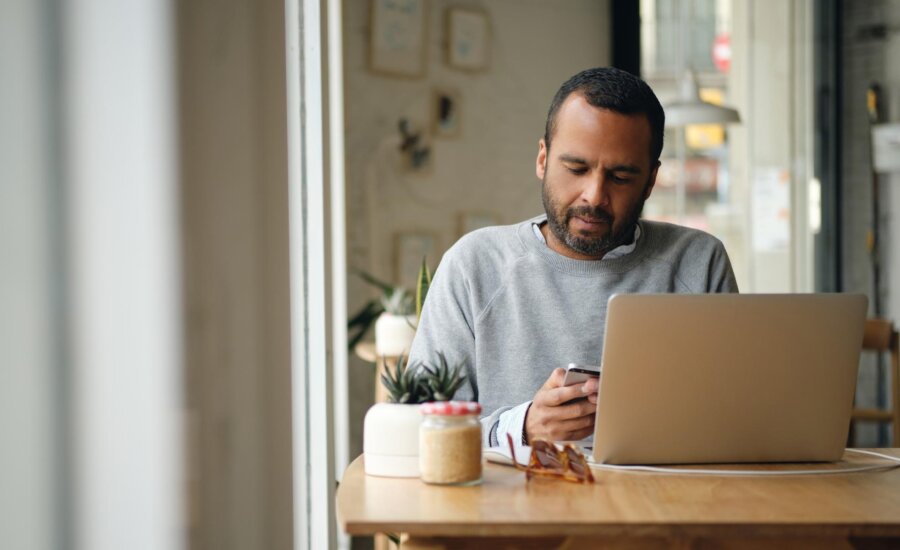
<point x="572" y="159"/>
<point x="629" y="168"/>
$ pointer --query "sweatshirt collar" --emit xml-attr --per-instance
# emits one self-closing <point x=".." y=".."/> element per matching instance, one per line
<point x="617" y="252"/>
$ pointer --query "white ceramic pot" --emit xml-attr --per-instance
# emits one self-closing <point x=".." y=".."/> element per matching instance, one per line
<point x="394" y="334"/>
<point x="391" y="440"/>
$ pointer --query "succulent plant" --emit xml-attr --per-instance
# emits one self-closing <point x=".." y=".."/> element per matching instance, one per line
<point x="404" y="383"/>
<point x="411" y="384"/>
<point x="443" y="380"/>
<point x="398" y="301"/>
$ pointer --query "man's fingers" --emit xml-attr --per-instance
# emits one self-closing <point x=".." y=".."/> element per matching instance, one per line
<point x="584" y="408"/>
<point x="563" y="422"/>
<point x="561" y="412"/>
<point x="581" y="434"/>
<point x="577" y="428"/>
<point x="555" y="380"/>
<point x="577" y="424"/>
<point x="574" y="409"/>
<point x="557" y="396"/>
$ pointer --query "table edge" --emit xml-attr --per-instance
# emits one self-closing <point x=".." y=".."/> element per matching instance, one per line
<point x="625" y="529"/>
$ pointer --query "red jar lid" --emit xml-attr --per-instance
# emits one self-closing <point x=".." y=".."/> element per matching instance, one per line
<point x="451" y="408"/>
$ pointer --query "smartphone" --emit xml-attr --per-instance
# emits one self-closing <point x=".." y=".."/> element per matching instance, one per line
<point x="579" y="374"/>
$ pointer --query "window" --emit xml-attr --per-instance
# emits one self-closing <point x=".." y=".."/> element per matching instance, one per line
<point x="748" y="184"/>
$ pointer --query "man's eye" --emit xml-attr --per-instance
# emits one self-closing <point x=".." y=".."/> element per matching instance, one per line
<point x="577" y="171"/>
<point x="621" y="179"/>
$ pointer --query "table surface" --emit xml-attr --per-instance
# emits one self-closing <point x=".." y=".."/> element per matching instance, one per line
<point x="646" y="504"/>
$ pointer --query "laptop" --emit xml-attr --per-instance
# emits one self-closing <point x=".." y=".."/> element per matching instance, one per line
<point x="727" y="378"/>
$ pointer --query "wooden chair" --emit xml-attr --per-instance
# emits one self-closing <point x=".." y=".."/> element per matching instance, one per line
<point x="880" y="337"/>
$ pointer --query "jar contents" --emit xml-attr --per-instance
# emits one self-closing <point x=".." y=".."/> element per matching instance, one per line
<point x="450" y="443"/>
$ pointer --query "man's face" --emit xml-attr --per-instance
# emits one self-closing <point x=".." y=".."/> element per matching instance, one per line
<point x="596" y="177"/>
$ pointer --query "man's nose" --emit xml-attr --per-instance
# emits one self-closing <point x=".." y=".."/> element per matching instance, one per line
<point x="596" y="191"/>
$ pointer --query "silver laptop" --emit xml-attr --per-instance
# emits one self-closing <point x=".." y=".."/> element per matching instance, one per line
<point x="728" y="378"/>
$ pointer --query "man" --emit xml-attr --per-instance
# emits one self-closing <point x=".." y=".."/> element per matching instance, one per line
<point x="516" y="303"/>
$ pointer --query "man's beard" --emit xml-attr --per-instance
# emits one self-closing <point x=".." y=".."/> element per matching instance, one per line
<point x="589" y="246"/>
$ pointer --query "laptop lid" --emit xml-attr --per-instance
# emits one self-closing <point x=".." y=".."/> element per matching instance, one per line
<point x="724" y="378"/>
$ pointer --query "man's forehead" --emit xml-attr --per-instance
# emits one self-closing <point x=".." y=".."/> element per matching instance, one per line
<point x="576" y="107"/>
<point x="580" y="128"/>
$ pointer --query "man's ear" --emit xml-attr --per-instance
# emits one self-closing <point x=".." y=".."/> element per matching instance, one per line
<point x="540" y="167"/>
<point x="651" y="181"/>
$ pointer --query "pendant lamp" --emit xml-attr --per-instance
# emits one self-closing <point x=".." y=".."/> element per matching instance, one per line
<point x="690" y="109"/>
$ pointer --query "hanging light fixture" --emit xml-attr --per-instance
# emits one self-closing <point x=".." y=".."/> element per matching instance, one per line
<point x="690" y="109"/>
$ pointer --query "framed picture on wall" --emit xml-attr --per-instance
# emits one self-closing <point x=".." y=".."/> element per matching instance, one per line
<point x="468" y="39"/>
<point x="397" y="39"/>
<point x="409" y="249"/>
<point x="470" y="221"/>
<point x="446" y="113"/>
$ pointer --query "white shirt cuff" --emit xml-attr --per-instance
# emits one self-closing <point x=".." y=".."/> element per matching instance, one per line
<point x="512" y="422"/>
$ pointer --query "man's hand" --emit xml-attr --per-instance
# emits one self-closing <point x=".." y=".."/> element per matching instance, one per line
<point x="560" y="412"/>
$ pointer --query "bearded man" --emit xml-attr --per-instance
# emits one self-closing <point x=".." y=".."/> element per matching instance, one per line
<point x="515" y="303"/>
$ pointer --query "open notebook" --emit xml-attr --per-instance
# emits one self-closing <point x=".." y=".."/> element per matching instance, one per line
<point x="501" y="455"/>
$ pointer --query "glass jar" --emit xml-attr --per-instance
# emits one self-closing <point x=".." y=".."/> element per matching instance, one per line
<point x="450" y="443"/>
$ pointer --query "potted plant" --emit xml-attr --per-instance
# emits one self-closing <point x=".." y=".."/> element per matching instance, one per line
<point x="395" y="315"/>
<point x="395" y="328"/>
<point x="391" y="430"/>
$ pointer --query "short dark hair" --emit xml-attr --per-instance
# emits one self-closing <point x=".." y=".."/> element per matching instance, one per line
<point x="616" y="90"/>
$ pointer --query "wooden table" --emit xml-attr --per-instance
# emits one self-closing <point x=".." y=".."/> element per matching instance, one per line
<point x="629" y="510"/>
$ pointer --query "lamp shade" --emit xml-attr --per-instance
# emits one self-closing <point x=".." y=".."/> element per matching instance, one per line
<point x="690" y="109"/>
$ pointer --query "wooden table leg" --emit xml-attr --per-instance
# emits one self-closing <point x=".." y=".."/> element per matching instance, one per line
<point x="382" y="542"/>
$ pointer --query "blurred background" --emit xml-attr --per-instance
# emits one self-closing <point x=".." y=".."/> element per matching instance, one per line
<point x="189" y="191"/>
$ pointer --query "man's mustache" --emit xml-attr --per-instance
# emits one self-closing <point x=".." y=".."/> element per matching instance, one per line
<point x="597" y="214"/>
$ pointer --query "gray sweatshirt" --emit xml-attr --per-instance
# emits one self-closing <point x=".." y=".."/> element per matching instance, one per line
<point x="512" y="310"/>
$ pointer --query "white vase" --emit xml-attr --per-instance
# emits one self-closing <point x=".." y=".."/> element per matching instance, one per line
<point x="391" y="440"/>
<point x="394" y="334"/>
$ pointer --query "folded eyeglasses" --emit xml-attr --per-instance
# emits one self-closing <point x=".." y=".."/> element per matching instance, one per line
<point x="549" y="460"/>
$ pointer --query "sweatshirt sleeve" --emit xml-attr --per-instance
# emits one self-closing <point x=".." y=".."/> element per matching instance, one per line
<point x="447" y="325"/>
<point x="721" y="275"/>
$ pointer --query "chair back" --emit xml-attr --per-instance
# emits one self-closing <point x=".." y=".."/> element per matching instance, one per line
<point x="881" y="337"/>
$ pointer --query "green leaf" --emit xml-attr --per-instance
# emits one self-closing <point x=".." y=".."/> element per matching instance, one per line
<point x="441" y="381"/>
<point x="371" y="310"/>
<point x="422" y="283"/>
<point x="358" y="325"/>
<point x="399" y="302"/>
<point x="373" y="281"/>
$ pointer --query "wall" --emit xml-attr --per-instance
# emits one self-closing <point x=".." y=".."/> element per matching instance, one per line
<point x="123" y="361"/>
<point x="867" y="59"/>
<point x="763" y="139"/>
<point x="890" y="189"/>
<point x="232" y="102"/>
<point x="91" y="326"/>
<point x="536" y="45"/>
<point x="32" y="415"/>
<point x="769" y="84"/>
